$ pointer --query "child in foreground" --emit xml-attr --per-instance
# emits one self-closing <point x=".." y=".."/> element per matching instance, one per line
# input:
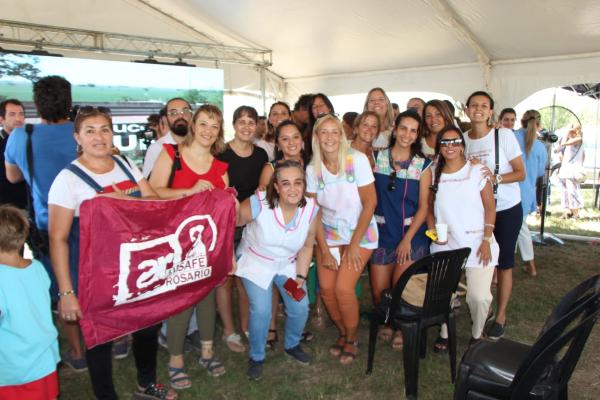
<point x="29" y="350"/>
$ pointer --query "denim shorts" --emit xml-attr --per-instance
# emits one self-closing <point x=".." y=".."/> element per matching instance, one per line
<point x="384" y="256"/>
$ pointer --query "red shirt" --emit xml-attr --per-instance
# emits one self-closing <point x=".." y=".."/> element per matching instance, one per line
<point x="186" y="178"/>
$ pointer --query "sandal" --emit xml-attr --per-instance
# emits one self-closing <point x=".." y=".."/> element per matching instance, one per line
<point x="397" y="341"/>
<point x="385" y="333"/>
<point x="347" y="357"/>
<point x="272" y="342"/>
<point x="440" y="346"/>
<point x="154" y="391"/>
<point x="214" y="367"/>
<point x="178" y="378"/>
<point x="234" y="342"/>
<point x="337" y="348"/>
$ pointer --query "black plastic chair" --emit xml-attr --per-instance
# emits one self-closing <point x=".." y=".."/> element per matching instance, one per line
<point x="443" y="270"/>
<point x="510" y="370"/>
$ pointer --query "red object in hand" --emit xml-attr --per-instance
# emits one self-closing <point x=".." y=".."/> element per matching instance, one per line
<point x="292" y="287"/>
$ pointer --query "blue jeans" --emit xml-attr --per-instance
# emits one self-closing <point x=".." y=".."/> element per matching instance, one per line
<point x="260" y="316"/>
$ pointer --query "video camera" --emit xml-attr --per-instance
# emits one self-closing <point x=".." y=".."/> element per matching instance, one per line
<point x="547" y="136"/>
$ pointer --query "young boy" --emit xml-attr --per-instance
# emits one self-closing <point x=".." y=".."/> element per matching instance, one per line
<point x="29" y="340"/>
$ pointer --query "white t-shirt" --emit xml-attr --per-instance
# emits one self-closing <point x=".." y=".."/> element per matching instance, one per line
<point x="69" y="191"/>
<point x="154" y="151"/>
<point x="458" y="204"/>
<point x="338" y="197"/>
<point x="382" y="141"/>
<point x="269" y="147"/>
<point x="483" y="149"/>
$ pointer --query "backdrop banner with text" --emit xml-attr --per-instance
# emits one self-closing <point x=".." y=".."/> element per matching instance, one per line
<point x="142" y="261"/>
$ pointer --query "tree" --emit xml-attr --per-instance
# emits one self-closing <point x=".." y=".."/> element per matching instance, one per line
<point x="194" y="96"/>
<point x="19" y="65"/>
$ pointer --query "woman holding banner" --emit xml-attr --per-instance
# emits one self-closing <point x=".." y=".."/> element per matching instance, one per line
<point x="276" y="249"/>
<point x="95" y="171"/>
<point x="181" y="171"/>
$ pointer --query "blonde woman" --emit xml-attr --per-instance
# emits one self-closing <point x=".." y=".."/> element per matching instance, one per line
<point x="198" y="170"/>
<point x="379" y="102"/>
<point x="535" y="158"/>
<point x="342" y="181"/>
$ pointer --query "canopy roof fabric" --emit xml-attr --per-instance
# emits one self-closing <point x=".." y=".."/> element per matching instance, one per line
<point x="511" y="48"/>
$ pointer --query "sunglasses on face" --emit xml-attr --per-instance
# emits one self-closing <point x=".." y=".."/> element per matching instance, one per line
<point x="84" y="110"/>
<point x="175" y="112"/>
<point x="451" y="142"/>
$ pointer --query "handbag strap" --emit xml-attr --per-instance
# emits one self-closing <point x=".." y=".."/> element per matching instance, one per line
<point x="176" y="166"/>
<point x="29" y="153"/>
<point x="496" y="159"/>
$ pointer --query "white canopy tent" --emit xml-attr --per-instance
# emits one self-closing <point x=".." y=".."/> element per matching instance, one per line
<point x="511" y="48"/>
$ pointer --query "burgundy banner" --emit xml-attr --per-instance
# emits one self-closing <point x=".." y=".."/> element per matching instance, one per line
<point x="142" y="261"/>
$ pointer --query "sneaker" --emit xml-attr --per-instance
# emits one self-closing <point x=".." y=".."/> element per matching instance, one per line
<point x="254" y="370"/>
<point x="298" y="354"/>
<point x="76" y="364"/>
<point x="120" y="348"/>
<point x="154" y="391"/>
<point x="496" y="331"/>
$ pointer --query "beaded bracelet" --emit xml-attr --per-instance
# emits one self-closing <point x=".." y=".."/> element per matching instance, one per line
<point x="61" y="294"/>
<point x="490" y="225"/>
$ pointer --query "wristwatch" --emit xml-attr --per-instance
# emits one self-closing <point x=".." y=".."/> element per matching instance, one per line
<point x="498" y="179"/>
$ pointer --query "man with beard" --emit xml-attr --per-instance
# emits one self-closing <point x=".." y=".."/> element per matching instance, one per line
<point x="179" y="115"/>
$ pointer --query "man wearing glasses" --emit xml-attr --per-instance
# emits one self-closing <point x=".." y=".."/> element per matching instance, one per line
<point x="12" y="115"/>
<point x="179" y="116"/>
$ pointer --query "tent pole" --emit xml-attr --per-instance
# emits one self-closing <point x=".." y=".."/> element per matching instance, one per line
<point x="263" y="90"/>
<point x="596" y="185"/>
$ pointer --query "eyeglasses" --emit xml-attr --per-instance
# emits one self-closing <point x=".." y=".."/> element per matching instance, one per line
<point x="175" y="112"/>
<point x="453" y="142"/>
<point x="392" y="184"/>
<point x="85" y="110"/>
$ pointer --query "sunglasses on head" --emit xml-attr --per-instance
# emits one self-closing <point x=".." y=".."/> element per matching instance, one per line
<point x="84" y="110"/>
<point x="449" y="142"/>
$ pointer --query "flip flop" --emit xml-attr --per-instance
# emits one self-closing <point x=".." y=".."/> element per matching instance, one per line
<point x="337" y="348"/>
<point x="347" y="357"/>
<point x="440" y="346"/>
<point x="397" y="341"/>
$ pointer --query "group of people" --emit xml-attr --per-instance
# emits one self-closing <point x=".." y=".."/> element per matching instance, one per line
<point x="348" y="194"/>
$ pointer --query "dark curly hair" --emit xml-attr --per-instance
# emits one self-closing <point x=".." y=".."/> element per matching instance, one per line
<point x="52" y="98"/>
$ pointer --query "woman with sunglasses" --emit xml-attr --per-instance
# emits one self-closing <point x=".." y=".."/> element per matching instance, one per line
<point x="463" y="199"/>
<point x="198" y="171"/>
<point x="378" y="102"/>
<point x="402" y="180"/>
<point x="367" y="127"/>
<point x="436" y="116"/>
<point x="97" y="170"/>
<point x="342" y="181"/>
<point x="277" y="246"/>
<point x="480" y="143"/>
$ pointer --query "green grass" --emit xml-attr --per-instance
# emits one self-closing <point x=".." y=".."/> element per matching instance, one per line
<point x="587" y="225"/>
<point x="559" y="269"/>
<point x="82" y="93"/>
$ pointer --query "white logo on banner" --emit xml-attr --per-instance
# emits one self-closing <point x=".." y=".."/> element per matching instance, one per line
<point x="170" y="267"/>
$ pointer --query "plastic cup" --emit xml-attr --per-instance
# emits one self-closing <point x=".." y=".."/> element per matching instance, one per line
<point x="442" y="232"/>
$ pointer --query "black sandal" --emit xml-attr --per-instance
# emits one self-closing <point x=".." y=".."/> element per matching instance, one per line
<point x="337" y="348"/>
<point x="272" y="342"/>
<point x="348" y="355"/>
<point x="440" y="346"/>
